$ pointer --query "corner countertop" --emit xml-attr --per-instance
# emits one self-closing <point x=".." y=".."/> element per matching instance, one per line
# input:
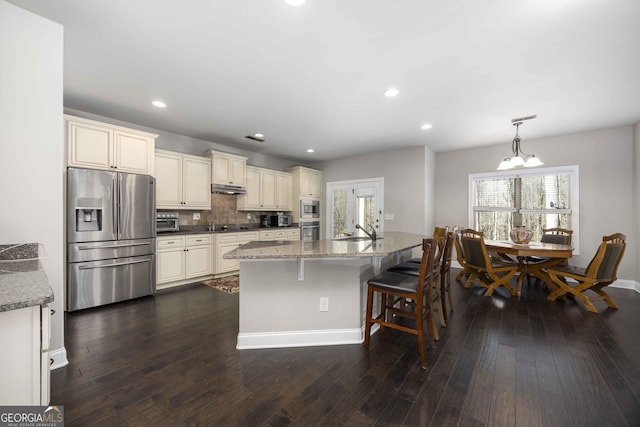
<point x="26" y="289"/>
<point x="389" y="243"/>
<point x="23" y="283"/>
<point x="229" y="229"/>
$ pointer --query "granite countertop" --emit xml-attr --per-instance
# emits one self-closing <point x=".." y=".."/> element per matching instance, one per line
<point x="23" y="283"/>
<point x="203" y="229"/>
<point x="390" y="243"/>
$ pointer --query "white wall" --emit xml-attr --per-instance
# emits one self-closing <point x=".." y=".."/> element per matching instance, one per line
<point x="636" y="197"/>
<point x="606" y="162"/>
<point x="31" y="143"/>
<point x="406" y="183"/>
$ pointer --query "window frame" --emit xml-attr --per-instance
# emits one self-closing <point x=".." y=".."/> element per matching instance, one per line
<point x="572" y="170"/>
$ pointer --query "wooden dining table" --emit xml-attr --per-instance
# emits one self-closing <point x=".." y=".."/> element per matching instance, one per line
<point x="555" y="253"/>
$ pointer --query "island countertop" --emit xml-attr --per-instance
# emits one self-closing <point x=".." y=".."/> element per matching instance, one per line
<point x="391" y="242"/>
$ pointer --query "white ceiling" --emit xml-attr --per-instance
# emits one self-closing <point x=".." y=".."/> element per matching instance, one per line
<point x="313" y="76"/>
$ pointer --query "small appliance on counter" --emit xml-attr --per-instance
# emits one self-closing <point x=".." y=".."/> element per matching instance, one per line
<point x="268" y="221"/>
<point x="167" y="222"/>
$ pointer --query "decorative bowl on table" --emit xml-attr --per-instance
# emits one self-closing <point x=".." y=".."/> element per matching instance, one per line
<point x="521" y="235"/>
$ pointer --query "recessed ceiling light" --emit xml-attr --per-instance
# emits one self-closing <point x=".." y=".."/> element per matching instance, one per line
<point x="426" y="126"/>
<point x="310" y="150"/>
<point x="258" y="135"/>
<point x="159" y="104"/>
<point x="391" y="92"/>
<point x="295" y="2"/>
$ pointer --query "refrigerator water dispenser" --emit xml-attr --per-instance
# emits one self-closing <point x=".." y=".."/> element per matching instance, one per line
<point x="88" y="214"/>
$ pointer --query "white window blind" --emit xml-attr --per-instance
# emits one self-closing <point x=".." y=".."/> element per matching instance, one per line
<point x="537" y="199"/>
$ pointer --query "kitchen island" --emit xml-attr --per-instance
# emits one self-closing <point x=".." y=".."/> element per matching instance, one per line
<point x="308" y="293"/>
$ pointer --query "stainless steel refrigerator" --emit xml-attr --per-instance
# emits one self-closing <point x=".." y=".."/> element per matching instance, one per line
<point x="110" y="237"/>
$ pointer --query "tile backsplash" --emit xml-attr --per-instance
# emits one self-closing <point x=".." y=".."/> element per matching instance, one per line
<point x="223" y="211"/>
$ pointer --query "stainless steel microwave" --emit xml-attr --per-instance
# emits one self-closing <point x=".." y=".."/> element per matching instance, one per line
<point x="309" y="208"/>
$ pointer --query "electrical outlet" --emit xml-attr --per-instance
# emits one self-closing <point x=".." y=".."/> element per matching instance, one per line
<point x="248" y="216"/>
<point x="324" y="304"/>
<point x="196" y="215"/>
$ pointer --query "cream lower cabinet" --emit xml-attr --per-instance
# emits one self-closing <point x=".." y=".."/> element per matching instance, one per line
<point x="226" y="242"/>
<point x="293" y="234"/>
<point x="96" y="145"/>
<point x="181" y="258"/>
<point x="24" y="359"/>
<point x="182" y="181"/>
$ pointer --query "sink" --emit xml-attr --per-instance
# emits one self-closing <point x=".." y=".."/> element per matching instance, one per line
<point x="356" y="239"/>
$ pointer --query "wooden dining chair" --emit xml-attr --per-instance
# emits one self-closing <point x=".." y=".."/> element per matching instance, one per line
<point x="466" y="272"/>
<point x="405" y="296"/>
<point x="489" y="272"/>
<point x="601" y="272"/>
<point x="537" y="265"/>
<point x="445" y="277"/>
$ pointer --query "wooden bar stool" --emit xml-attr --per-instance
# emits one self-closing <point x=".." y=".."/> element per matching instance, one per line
<point x="406" y="296"/>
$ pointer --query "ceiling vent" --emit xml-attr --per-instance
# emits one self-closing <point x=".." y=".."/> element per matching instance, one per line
<point x="254" y="138"/>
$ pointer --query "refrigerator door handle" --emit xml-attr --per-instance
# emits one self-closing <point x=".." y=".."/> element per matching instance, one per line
<point x="114" y="208"/>
<point x="87" y="248"/>
<point x="89" y="267"/>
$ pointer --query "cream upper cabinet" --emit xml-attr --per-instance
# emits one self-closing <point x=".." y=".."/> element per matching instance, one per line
<point x="182" y="181"/>
<point x="283" y="191"/>
<point x="96" y="145"/>
<point x="306" y="182"/>
<point x="227" y="169"/>
<point x="267" y="190"/>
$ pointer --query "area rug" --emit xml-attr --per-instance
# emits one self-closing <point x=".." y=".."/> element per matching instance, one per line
<point x="228" y="284"/>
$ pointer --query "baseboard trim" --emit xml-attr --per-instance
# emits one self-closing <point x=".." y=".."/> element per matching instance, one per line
<point x="59" y="358"/>
<point x="626" y="284"/>
<point x="299" y="338"/>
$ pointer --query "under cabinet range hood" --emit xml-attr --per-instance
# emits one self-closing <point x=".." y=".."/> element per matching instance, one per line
<point x="228" y="189"/>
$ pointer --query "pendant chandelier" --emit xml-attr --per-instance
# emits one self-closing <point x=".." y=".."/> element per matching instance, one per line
<point x="519" y="158"/>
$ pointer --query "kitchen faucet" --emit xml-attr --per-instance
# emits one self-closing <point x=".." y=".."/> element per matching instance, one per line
<point x="371" y="235"/>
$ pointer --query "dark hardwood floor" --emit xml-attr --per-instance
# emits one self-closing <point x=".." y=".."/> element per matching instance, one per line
<point x="171" y="360"/>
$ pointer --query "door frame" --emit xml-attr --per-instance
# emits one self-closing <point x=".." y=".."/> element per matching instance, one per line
<point x="330" y="186"/>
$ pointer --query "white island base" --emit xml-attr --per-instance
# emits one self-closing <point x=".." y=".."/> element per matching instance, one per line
<point x="280" y="300"/>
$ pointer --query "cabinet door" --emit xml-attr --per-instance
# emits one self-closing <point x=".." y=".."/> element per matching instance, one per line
<point x="168" y="180"/>
<point x="225" y="265"/>
<point x="170" y="265"/>
<point x="198" y="261"/>
<point x="310" y="183"/>
<point x="133" y="153"/>
<point x="283" y="191"/>
<point x="251" y="200"/>
<point x="267" y="189"/>
<point x="238" y="171"/>
<point x="221" y="170"/>
<point x="315" y="184"/>
<point x="196" y="188"/>
<point x="293" y="234"/>
<point x="89" y="146"/>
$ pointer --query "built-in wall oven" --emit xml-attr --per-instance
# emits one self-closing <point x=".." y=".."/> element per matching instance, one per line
<point x="309" y="230"/>
<point x="309" y="208"/>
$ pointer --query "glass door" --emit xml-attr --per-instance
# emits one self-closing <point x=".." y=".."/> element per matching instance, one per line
<point x="354" y="202"/>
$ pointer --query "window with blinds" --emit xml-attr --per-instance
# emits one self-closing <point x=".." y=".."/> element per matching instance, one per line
<point x="537" y="199"/>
